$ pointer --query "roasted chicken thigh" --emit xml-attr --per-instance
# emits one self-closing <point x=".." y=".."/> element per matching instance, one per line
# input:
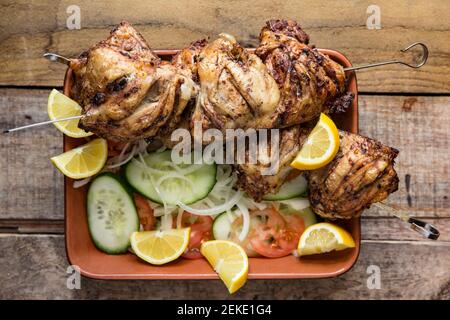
<point x="125" y="91"/>
<point x="309" y="81"/>
<point x="236" y="91"/>
<point x="362" y="173"/>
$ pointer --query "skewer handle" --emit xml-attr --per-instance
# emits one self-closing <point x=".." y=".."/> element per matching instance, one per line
<point x="420" y="63"/>
<point x="41" y="124"/>
<point x="427" y="230"/>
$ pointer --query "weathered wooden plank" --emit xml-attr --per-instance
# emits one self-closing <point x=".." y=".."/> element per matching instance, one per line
<point x="31" y="188"/>
<point x="28" y="29"/>
<point x="34" y="267"/>
<point x="392" y="229"/>
<point x="419" y="128"/>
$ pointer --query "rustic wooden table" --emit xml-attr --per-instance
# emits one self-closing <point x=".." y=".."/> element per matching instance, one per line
<point x="405" y="108"/>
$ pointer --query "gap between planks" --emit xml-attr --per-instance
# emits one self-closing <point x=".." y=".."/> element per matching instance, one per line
<point x="31" y="226"/>
<point x="401" y="234"/>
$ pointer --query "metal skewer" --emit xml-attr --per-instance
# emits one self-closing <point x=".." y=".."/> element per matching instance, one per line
<point x="420" y="63"/>
<point x="57" y="58"/>
<point x="64" y="60"/>
<point x="427" y="230"/>
<point x="54" y="58"/>
<point x="41" y="124"/>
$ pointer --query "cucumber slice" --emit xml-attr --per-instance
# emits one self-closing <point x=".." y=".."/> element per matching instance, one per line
<point x="290" y="189"/>
<point x="111" y="213"/>
<point x="299" y="206"/>
<point x="195" y="183"/>
<point x="222" y="226"/>
<point x="309" y="217"/>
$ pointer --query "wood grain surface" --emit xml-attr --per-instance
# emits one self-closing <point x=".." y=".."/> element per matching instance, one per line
<point x="407" y="270"/>
<point x="404" y="108"/>
<point x="28" y="29"/>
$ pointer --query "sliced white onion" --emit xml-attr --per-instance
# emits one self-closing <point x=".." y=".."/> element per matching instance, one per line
<point x="209" y="202"/>
<point x="158" y="191"/>
<point x="121" y="163"/>
<point x="297" y="203"/>
<point x="166" y="222"/>
<point x="161" y="149"/>
<point x="160" y="210"/>
<point x="179" y="217"/>
<point x="80" y="183"/>
<point x="125" y="148"/>
<point x="216" y="210"/>
<point x="252" y="204"/>
<point x="245" y="221"/>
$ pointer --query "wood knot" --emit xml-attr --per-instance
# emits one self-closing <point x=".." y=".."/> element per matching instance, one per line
<point x="408" y="104"/>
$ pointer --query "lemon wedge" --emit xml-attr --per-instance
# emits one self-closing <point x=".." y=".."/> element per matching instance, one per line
<point x="83" y="161"/>
<point x="229" y="260"/>
<point x="320" y="147"/>
<point x="160" y="247"/>
<point x="324" y="237"/>
<point x="60" y="106"/>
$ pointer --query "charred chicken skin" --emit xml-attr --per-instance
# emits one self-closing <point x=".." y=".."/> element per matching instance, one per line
<point x="257" y="185"/>
<point x="236" y="91"/>
<point x="185" y="61"/>
<point x="309" y="81"/>
<point x="362" y="173"/>
<point x="289" y="84"/>
<point x="126" y="92"/>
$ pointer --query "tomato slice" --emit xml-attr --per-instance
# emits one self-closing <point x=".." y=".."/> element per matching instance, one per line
<point x="245" y="244"/>
<point x="272" y="236"/>
<point x="201" y="230"/>
<point x="145" y="212"/>
<point x="295" y="222"/>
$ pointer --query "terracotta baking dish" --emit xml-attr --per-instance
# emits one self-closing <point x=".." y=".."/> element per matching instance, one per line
<point x="96" y="264"/>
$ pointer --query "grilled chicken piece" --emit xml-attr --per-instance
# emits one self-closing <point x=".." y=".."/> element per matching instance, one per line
<point x="186" y="62"/>
<point x="309" y="81"/>
<point x="235" y="88"/>
<point x="188" y="57"/>
<point x="362" y="173"/>
<point x="125" y="91"/>
<point x="250" y="177"/>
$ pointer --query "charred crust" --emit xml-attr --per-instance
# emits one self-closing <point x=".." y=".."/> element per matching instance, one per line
<point x="117" y="85"/>
<point x="342" y="103"/>
<point x="98" y="98"/>
<point x="289" y="28"/>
